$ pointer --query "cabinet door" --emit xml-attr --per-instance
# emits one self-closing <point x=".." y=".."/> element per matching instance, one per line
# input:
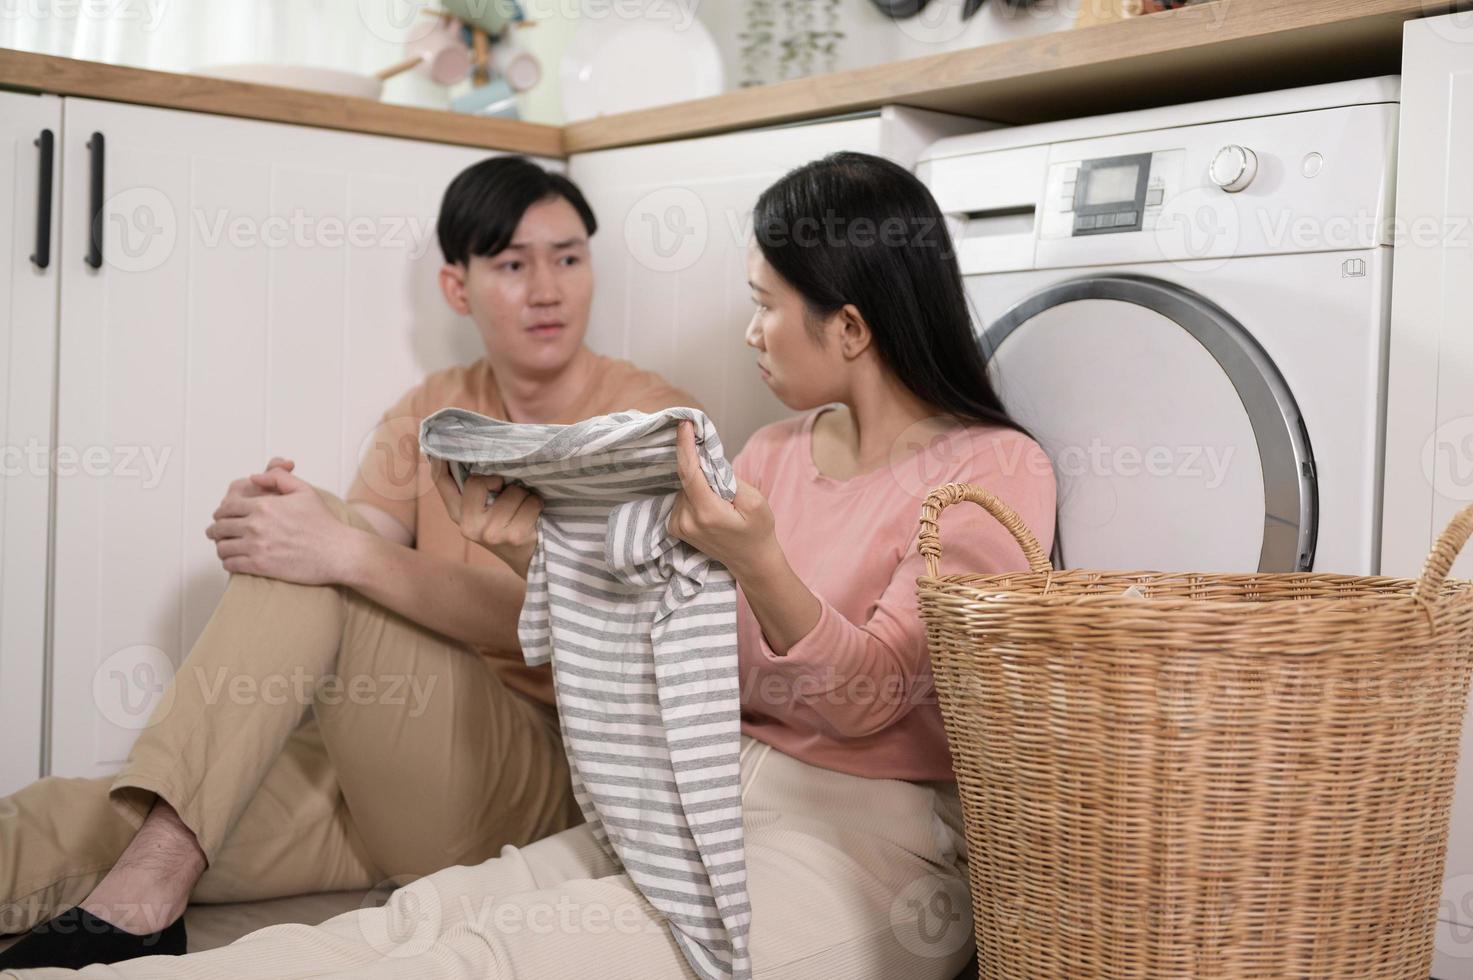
<point x="28" y="339"/>
<point x="670" y="255"/>
<point x="264" y="289"/>
<point x="1429" y="425"/>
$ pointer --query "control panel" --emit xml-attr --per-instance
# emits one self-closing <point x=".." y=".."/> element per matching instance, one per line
<point x="1109" y="195"/>
<point x="1111" y="190"/>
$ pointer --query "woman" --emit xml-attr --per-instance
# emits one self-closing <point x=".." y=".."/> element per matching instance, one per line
<point x="855" y="853"/>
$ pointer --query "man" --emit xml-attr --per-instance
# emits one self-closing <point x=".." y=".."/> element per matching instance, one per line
<point x="429" y="742"/>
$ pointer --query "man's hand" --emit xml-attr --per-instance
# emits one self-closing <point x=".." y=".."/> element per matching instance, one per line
<point x="275" y="525"/>
<point x="506" y="526"/>
<point x="240" y="490"/>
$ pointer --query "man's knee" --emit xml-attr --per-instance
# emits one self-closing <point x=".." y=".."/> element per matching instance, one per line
<point x="342" y="510"/>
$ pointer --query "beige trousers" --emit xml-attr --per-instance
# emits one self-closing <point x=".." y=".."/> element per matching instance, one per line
<point x="412" y="757"/>
<point x="850" y="879"/>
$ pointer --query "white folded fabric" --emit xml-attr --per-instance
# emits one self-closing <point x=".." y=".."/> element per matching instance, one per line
<point x="641" y="631"/>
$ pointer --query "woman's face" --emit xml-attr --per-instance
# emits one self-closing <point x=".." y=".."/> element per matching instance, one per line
<point x="802" y="370"/>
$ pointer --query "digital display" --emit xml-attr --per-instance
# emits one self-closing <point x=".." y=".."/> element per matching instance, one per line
<point x="1112" y="185"/>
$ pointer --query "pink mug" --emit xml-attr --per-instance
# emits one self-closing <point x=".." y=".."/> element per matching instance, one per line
<point x="444" y="56"/>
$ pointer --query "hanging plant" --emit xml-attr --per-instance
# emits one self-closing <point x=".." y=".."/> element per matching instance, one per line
<point x="831" y="35"/>
<point x="756" y="50"/>
<point x="801" y="43"/>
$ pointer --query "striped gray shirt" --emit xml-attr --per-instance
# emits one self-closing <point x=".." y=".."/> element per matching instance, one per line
<point x="641" y="632"/>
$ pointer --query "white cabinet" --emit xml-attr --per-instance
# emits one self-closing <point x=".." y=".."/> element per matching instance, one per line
<point x="262" y="289"/>
<point x="256" y="289"/>
<point x="669" y="258"/>
<point x="30" y="149"/>
<point x="1429" y="424"/>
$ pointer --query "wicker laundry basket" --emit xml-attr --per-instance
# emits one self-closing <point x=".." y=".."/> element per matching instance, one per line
<point x="1193" y="775"/>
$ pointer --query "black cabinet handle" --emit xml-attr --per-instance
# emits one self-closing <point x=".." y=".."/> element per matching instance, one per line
<point x="41" y="257"/>
<point x="94" y="210"/>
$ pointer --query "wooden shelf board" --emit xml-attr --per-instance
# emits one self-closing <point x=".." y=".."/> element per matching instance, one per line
<point x="27" y="71"/>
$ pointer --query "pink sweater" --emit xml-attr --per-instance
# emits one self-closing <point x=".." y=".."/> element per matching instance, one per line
<point x="856" y="694"/>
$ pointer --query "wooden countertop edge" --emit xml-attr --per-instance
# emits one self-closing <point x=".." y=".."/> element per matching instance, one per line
<point x="173" y="90"/>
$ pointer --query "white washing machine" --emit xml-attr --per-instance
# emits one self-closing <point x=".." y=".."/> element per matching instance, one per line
<point x="1188" y="307"/>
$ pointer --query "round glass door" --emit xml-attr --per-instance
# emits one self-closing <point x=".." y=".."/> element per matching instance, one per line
<point x="1176" y="443"/>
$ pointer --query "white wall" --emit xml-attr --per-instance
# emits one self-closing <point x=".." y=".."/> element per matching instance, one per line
<point x="182" y="35"/>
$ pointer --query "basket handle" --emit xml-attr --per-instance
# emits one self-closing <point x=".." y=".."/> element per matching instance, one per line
<point x="944" y="496"/>
<point x="1444" y="553"/>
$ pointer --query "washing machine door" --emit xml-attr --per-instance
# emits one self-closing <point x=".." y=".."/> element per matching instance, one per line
<point x="1176" y="443"/>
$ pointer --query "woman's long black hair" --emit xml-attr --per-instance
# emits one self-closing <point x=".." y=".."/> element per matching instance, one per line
<point x="856" y="228"/>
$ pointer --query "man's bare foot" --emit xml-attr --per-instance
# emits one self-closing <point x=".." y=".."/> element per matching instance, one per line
<point x="149" y="886"/>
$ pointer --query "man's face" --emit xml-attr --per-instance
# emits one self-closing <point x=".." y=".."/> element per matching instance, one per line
<point x="529" y="301"/>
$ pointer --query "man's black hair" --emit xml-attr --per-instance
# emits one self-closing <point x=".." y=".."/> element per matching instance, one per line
<point x="485" y="202"/>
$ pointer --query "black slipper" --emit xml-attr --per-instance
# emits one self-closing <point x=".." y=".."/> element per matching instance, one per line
<point x="77" y="938"/>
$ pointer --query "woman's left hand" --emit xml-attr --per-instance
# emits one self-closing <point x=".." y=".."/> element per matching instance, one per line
<point x="738" y="533"/>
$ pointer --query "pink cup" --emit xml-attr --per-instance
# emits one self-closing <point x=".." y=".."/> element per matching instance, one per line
<point x="443" y="54"/>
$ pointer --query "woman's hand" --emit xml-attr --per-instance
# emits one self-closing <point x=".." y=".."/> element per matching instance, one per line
<point x="738" y="533"/>
<point x="506" y="527"/>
